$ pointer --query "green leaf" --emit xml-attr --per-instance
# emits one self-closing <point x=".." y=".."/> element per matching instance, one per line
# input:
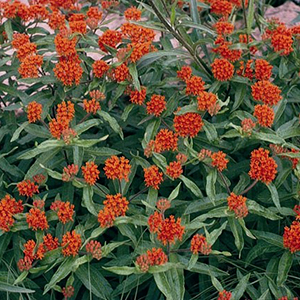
<point x="174" y="193"/>
<point x="82" y="127"/>
<point x="102" y="151"/>
<point x="5" y="287"/>
<point x="211" y="180"/>
<point x="284" y="266"/>
<point x="193" y="260"/>
<point x="87" y="200"/>
<point x="112" y="123"/>
<point x="121" y="270"/>
<point x="217" y="284"/>
<point x="250" y="16"/>
<point x="18" y="131"/>
<point x="51" y="173"/>
<point x="274" y="194"/>
<point x="8" y="29"/>
<point x="237" y="233"/>
<point x="106" y="249"/>
<point x="270" y="238"/>
<point x="240" y="289"/>
<point x="239" y="96"/>
<point x="135" y="77"/>
<point x="214" y="235"/>
<point x="191" y="186"/>
<point x="210" y="131"/>
<point x="257" y="209"/>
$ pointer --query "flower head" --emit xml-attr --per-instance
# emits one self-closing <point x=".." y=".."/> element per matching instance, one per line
<point x="262" y="167"/>
<point x="238" y="205"/>
<point x="69" y="172"/>
<point x="156" y="105"/>
<point x="163" y="205"/>
<point x="121" y="73"/>
<point x="185" y="73"/>
<point x="90" y="172"/>
<point x="248" y="126"/>
<point x="263" y="70"/>
<point x="219" y="160"/>
<point x="71" y="243"/>
<point x="117" y="168"/>
<point x="224" y="295"/>
<point x="206" y="100"/>
<point x="154" y="221"/>
<point x="94" y="248"/>
<point x="264" y="114"/>
<point x="100" y="67"/>
<point x="157" y="257"/>
<point x="222" y="69"/>
<point x="138" y="97"/>
<point x="174" y="169"/>
<point x="34" y="111"/>
<point x="291" y="237"/>
<point x="109" y="38"/>
<point x="188" y="125"/>
<point x="30" y="65"/>
<point x="165" y="140"/>
<point x="223" y="27"/>
<point x="153" y="177"/>
<point x="143" y="262"/>
<point x="25" y="264"/>
<point x="266" y="92"/>
<point x="91" y="106"/>
<point x="36" y="219"/>
<point x="194" y="86"/>
<point x="64" y="210"/>
<point x="50" y="242"/>
<point x="68" y="291"/>
<point x="199" y="244"/>
<point x="221" y="7"/>
<point x="133" y="14"/>
<point x="27" y="188"/>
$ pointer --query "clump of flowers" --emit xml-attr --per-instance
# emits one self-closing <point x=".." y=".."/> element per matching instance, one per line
<point x="36" y="219"/>
<point x="224" y="295"/>
<point x="174" y="169"/>
<point x="94" y="248"/>
<point x="68" y="291"/>
<point x="69" y="172"/>
<point x="90" y="172"/>
<point x="264" y="114"/>
<point x="153" y="257"/>
<point x="291" y="237"/>
<point x="27" y="188"/>
<point x="199" y="244"/>
<point x="153" y="178"/>
<point x="156" y="105"/>
<point x="64" y="210"/>
<point x="222" y="69"/>
<point x="188" y="125"/>
<point x="117" y="168"/>
<point x="219" y="160"/>
<point x="237" y="203"/>
<point x="71" y="243"/>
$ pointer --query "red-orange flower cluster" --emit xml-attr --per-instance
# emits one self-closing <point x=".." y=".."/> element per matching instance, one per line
<point x="156" y="105"/>
<point x="174" y="169"/>
<point x="71" y="243"/>
<point x="219" y="160"/>
<point x="264" y="114"/>
<point x="153" y="178"/>
<point x="69" y="172"/>
<point x="199" y="244"/>
<point x="34" y="111"/>
<point x="222" y="69"/>
<point x="90" y="172"/>
<point x="117" y="168"/>
<point x="36" y="219"/>
<point x="188" y="125"/>
<point x="266" y="92"/>
<point x="237" y="203"/>
<point x="64" y="210"/>
<point x="94" y="248"/>
<point x="100" y="67"/>
<point x="154" y="257"/>
<point x="291" y="237"/>
<point x="27" y="188"/>
<point x="224" y="295"/>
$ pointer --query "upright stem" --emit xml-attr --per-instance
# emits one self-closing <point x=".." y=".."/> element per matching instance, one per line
<point x="249" y="187"/>
<point x="138" y="193"/>
<point x="225" y="183"/>
<point x="245" y="20"/>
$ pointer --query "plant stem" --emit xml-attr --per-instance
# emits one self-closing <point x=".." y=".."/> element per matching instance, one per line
<point x="249" y="187"/>
<point x="180" y="250"/>
<point x="164" y="122"/>
<point x="245" y="19"/>
<point x="99" y="187"/>
<point x="197" y="59"/>
<point x="225" y="183"/>
<point x="138" y="193"/>
<point x="84" y="118"/>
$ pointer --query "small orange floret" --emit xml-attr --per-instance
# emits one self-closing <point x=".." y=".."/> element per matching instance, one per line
<point x="199" y="244"/>
<point x="36" y="219"/>
<point x="262" y="167"/>
<point x="264" y="114"/>
<point x="174" y="169"/>
<point x="219" y="160"/>
<point x="222" y="69"/>
<point x="238" y="205"/>
<point x="34" y="111"/>
<point x="117" y="168"/>
<point x="90" y="172"/>
<point x="71" y="243"/>
<point x="156" y="105"/>
<point x="153" y="178"/>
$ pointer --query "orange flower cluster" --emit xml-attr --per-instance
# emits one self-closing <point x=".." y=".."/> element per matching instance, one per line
<point x="199" y="244"/>
<point x="154" y="257"/>
<point x="188" y="125"/>
<point x="110" y="38"/>
<point x="100" y="67"/>
<point x="64" y="210"/>
<point x="224" y="295"/>
<point x="182" y="158"/>
<point x="280" y="150"/>
<point x="194" y="86"/>
<point x="68" y="292"/>
<point x="204" y="154"/>
<point x="8" y="208"/>
<point x="286" y="298"/>
<point x="266" y="92"/>
<point x="262" y="167"/>
<point x="39" y="178"/>
<point x="24" y="264"/>
<point x="121" y="73"/>
<point x="219" y="160"/>
<point x="170" y="230"/>
<point x="57" y="20"/>
<point x="223" y="48"/>
<point x="36" y="219"/>
<point x="91" y="106"/>
<point x="223" y="27"/>
<point x="133" y="14"/>
<point x="156" y="105"/>
<point x="248" y="126"/>
<point x="238" y="205"/>
<point x="34" y="111"/>
<point x="77" y="23"/>
<point x="90" y="172"/>
<point x="263" y="70"/>
<point x="114" y="206"/>
<point x="71" y="243"/>
<point x="165" y="140"/>
<point x="65" y="46"/>
<point x="174" y="169"/>
<point x="27" y="188"/>
<point x="94" y="248"/>
<point x="185" y="73"/>
<point x="117" y="168"/>
<point x="222" y="69"/>
<point x="153" y="178"/>
<point x="264" y="114"/>
<point x="208" y="101"/>
<point x="138" y="97"/>
<point x="221" y="7"/>
<point x="291" y="237"/>
<point x="281" y="39"/>
<point x="64" y="115"/>
<point x="245" y="39"/>
<point x="163" y="205"/>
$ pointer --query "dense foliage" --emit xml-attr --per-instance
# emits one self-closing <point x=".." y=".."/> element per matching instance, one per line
<point x="149" y="150"/>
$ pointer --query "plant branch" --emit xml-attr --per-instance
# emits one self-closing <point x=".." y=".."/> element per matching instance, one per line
<point x="225" y="183"/>
<point x="249" y="187"/>
<point x="138" y="193"/>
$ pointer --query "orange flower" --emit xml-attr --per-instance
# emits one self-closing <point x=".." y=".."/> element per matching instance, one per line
<point x="29" y="249"/>
<point x="133" y="14"/>
<point x="90" y="172"/>
<point x="291" y="237"/>
<point x="94" y="13"/>
<point x="222" y="69"/>
<point x="34" y="111"/>
<point x="64" y="45"/>
<point x="156" y="105"/>
<point x="117" y="168"/>
<point x="69" y="172"/>
<point x="266" y="92"/>
<point x="243" y="38"/>
<point x="223" y="27"/>
<point x="153" y="178"/>
<point x="96" y="94"/>
<point x="38" y="12"/>
<point x="109" y="38"/>
<point x="121" y="73"/>
<point x="64" y="210"/>
<point x="163" y="205"/>
<point x="206" y="100"/>
<point x="174" y="169"/>
<point x="219" y="160"/>
<point x="56" y="20"/>
<point x="143" y="263"/>
<point x="199" y="244"/>
<point x="155" y="221"/>
<point x="188" y="124"/>
<point x="185" y="73"/>
<point x="116" y="204"/>
<point x="8" y="208"/>
<point x="282" y="40"/>
<point x="94" y="248"/>
<point x="247" y="126"/>
<point x="68" y="70"/>
<point x="238" y="205"/>
<point x="139" y="50"/>
<point x="105" y="218"/>
<point x="246" y="71"/>
<point x="224" y="50"/>
<point x="262" y="167"/>
<point x="19" y="39"/>
<point x="50" y="242"/>
<point x="170" y="230"/>
<point x="221" y="7"/>
<point x="65" y="111"/>
<point x="68" y="292"/>
<point x="25" y="264"/>
<point x="57" y="127"/>
<point x="78" y="26"/>
<point x="137" y="33"/>
<point x="27" y="188"/>
<point x="30" y="65"/>
<point x="263" y="70"/>
<point x="36" y="219"/>
<point x="71" y="243"/>
<point x="194" y="86"/>
<point x="91" y="106"/>
<point x="25" y="50"/>
<point x="157" y="257"/>
<point x="39" y="179"/>
<point x="165" y="140"/>
<point x="100" y="67"/>
<point x="138" y="97"/>
<point x="224" y="295"/>
<point x="203" y="154"/>
<point x="264" y="114"/>
<point x="68" y="135"/>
